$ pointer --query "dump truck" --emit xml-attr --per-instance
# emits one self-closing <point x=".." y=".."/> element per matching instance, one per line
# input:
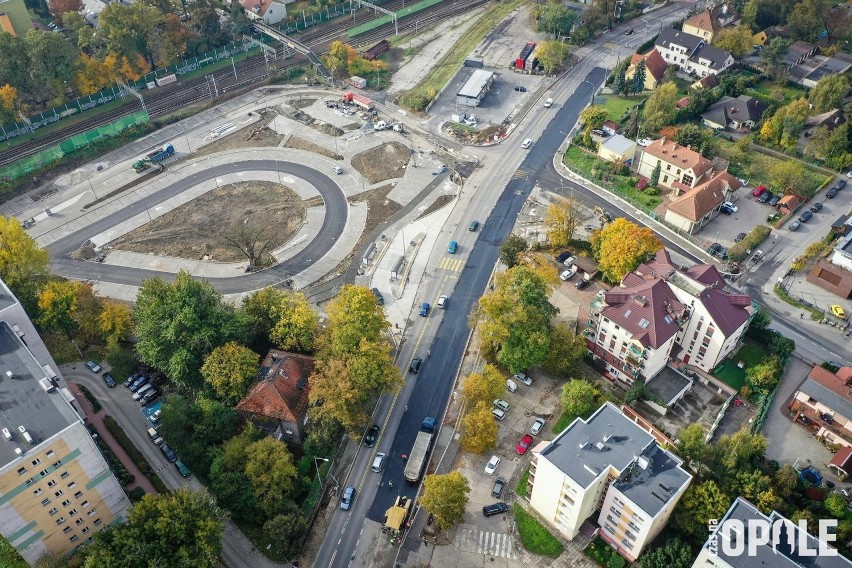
<point x="396" y="516"/>
<point x="417" y="459"/>
<point x="155" y="156"/>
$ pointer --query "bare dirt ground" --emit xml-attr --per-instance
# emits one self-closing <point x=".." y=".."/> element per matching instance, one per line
<point x="292" y="109"/>
<point x="252" y="136"/>
<point x="187" y="232"/>
<point x="382" y="163"/>
<point x="467" y="134"/>
<point x="439" y="202"/>
<point x="302" y="144"/>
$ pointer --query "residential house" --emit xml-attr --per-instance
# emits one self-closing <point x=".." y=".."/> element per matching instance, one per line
<point x="708" y="82"/>
<point x="823" y="405"/>
<point x="830" y="119"/>
<point x="655" y="68"/>
<point x="610" y="127"/>
<point x="660" y="312"/>
<point x="842" y="255"/>
<point x="841" y="463"/>
<point x="741" y="113"/>
<point x="788" y="204"/>
<point x="832" y="278"/>
<point x="782" y="549"/>
<point x="709" y="23"/>
<point x="695" y="208"/>
<point x="270" y="11"/>
<point x="798" y="52"/>
<point x="692" y="53"/>
<point x="57" y="488"/>
<point x="278" y="402"/>
<point x="761" y="38"/>
<point x="617" y="149"/>
<point x="821" y="66"/>
<point x="14" y="17"/>
<point x="678" y="164"/>
<point x="607" y="463"/>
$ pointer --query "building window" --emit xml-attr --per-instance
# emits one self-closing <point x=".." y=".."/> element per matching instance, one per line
<point x="668" y="167"/>
<point x="22" y="471"/>
<point x="74" y="538"/>
<point x="97" y="521"/>
<point x="72" y="512"/>
<point x="63" y="475"/>
<point x="66" y="502"/>
<point x="92" y="512"/>
<point x="43" y="472"/>
<point x="85" y="530"/>
<point x="38" y="491"/>
<point x="53" y="511"/>
<point x="78" y="494"/>
<point x="665" y="179"/>
<point x="60" y="520"/>
<point x="30" y="481"/>
<point x="45" y="501"/>
<point x="51" y="483"/>
<point x="59" y="493"/>
<point x="78" y="521"/>
<point x="36" y="461"/>
<point x="72" y="485"/>
<point x="711" y="330"/>
<point x="688" y="179"/>
<point x="57" y="463"/>
<point x="84" y="504"/>
<point x="50" y="453"/>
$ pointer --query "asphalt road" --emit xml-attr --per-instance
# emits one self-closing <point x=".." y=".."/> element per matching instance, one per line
<point x="336" y="211"/>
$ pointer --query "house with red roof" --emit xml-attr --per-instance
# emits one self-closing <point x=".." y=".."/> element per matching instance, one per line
<point x="823" y="405"/>
<point x="681" y="168"/>
<point x="695" y="208"/>
<point x="655" y="67"/>
<point x="661" y="312"/>
<point x="278" y="403"/>
<point x="270" y="11"/>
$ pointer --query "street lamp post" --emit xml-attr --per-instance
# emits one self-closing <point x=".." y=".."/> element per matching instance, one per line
<point x="317" y="466"/>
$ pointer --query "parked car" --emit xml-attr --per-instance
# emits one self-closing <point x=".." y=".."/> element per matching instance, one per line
<point x="838" y="312"/>
<point x="714" y="248"/>
<point x="442" y="301"/>
<point x="142" y="390"/>
<point x="414" y="367"/>
<point x="758" y="191"/>
<point x="150" y="396"/>
<point x="730" y="206"/>
<point x="139" y="383"/>
<point x="474" y="225"/>
<point x="816" y="207"/>
<point x="337" y="169"/>
<point x="536" y="427"/>
<point x="524" y="444"/>
<point x="93" y="367"/>
<point x="560" y="258"/>
<point x="582" y="284"/>
<point x="765" y="196"/>
<point x="805" y="216"/>
<point x="110" y="382"/>
<point x="569" y="261"/>
<point x="831" y="193"/>
<point x="567" y="275"/>
<point x="424" y="309"/>
<point x="129" y="381"/>
<point x="452" y="247"/>
<point x="840" y="184"/>
<point x="520" y="88"/>
<point x="495" y="509"/>
<point x="726" y="210"/>
<point x="740" y="237"/>
<point x="501" y="404"/>
<point x="184" y="471"/>
<point x="371" y="436"/>
<point x="775" y="199"/>
<point x="169" y="453"/>
<point x="348" y="498"/>
<point x="380" y="300"/>
<point x="523" y="378"/>
<point x="497" y="490"/>
<point x="492" y="464"/>
<point x="794" y="226"/>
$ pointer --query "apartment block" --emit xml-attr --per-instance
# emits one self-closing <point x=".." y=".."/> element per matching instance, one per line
<point x="56" y="489"/>
<point x="611" y="468"/>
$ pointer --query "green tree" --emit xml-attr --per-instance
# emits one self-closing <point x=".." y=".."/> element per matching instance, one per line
<point x="259" y="309"/>
<point x="785" y="481"/>
<point x="673" y="553"/>
<point x="835" y="504"/>
<point x="765" y="375"/>
<point x="229" y="370"/>
<point x="131" y="30"/>
<point x="180" y="529"/>
<point x="619" y="80"/>
<point x="296" y="324"/>
<point x="661" y="107"/>
<point x="698" y="138"/>
<point x="194" y="426"/>
<point x="580" y="398"/>
<point x="556" y="19"/>
<point x="700" y="503"/>
<point x="514" y="319"/>
<point x="654" y="180"/>
<point x="445" y="496"/>
<point x="806" y="516"/>
<point x="740" y="449"/>
<point x="115" y="321"/>
<point x="567" y="349"/>
<point x="621" y="246"/>
<point x="783" y="127"/>
<point x="806" y="21"/>
<point x="479" y="429"/>
<point x="829" y="92"/>
<point x="483" y="387"/>
<point x="788" y="175"/>
<point x="286" y="529"/>
<point x="15" y="65"/>
<point x="353" y="316"/>
<point x="22" y="262"/>
<point x="736" y="40"/>
<point x="593" y="116"/>
<point x="760" y="320"/>
<point x="271" y="473"/>
<point x="834" y="146"/>
<point x="511" y="249"/>
<point x="336" y="59"/>
<point x="551" y="55"/>
<point x="561" y="219"/>
<point x="179" y="324"/>
<point x="693" y="444"/>
<point x="57" y="304"/>
<point x="637" y="83"/>
<point x="772" y="59"/>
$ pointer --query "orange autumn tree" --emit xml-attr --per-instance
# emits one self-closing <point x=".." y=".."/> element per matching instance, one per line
<point x="8" y="103"/>
<point x="621" y="246"/>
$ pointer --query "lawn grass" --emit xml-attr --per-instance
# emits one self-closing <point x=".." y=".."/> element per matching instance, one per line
<point x="756" y="169"/>
<point x="617" y="106"/>
<point x="521" y="487"/>
<point x="534" y="536"/>
<point x="751" y="354"/>
<point x="586" y="164"/>
<point x="791" y="92"/>
<point x="564" y="421"/>
<point x="9" y="557"/>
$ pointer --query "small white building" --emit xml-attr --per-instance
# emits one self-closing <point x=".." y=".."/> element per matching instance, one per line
<point x="617" y="148"/>
<point x="270" y="11"/>
<point x="475" y="88"/>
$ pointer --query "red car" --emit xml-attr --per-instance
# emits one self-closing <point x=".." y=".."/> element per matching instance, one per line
<point x="524" y="444"/>
<point x="758" y="191"/>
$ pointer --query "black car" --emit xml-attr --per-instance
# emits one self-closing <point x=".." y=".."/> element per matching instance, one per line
<point x="414" y="367"/>
<point x="816" y="207"/>
<point x="110" y="382"/>
<point x="150" y="396"/>
<point x="740" y="237"/>
<point x="560" y="258"/>
<point x="726" y="210"/>
<point x="380" y="300"/>
<point x="723" y="252"/>
<point x="371" y="436"/>
<point x="495" y="509"/>
<point x="629" y="32"/>
<point x="169" y="453"/>
<point x="714" y="248"/>
<point x="520" y="88"/>
<point x="132" y="378"/>
<point x="805" y="216"/>
<point x="831" y="193"/>
<point x="775" y="199"/>
<point x="840" y="184"/>
<point x="582" y="284"/>
<point x="497" y="490"/>
<point x="765" y="196"/>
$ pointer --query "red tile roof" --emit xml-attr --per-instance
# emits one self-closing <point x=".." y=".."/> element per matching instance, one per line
<point x="655" y="65"/>
<point x="660" y="265"/>
<point x="282" y="393"/>
<point x="729" y="311"/>
<point x="679" y="156"/>
<point x="701" y="200"/>
<point x="842" y="460"/>
<point x="647" y="310"/>
<point x="707" y="274"/>
<point x="833" y="278"/>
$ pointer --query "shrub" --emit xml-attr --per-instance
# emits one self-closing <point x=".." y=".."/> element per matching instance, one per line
<point x="96" y="404"/>
<point x="616" y="561"/>
<point x="136" y="494"/>
<point x="754" y="238"/>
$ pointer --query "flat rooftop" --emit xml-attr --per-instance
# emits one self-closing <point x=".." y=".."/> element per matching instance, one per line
<point x="24" y="401"/>
<point x="668" y="384"/>
<point x="653" y="481"/>
<point x="476" y="83"/>
<point x="6" y="298"/>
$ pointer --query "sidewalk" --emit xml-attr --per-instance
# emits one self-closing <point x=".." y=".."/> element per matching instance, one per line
<point x="97" y="419"/>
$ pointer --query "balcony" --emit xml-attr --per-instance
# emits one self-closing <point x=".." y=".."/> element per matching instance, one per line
<point x="591" y="324"/>
<point x="589" y="334"/>
<point x="639" y="352"/>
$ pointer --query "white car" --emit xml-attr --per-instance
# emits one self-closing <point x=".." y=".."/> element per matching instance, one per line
<point x="492" y="464"/>
<point x="442" y="302"/>
<point x="644" y="142"/>
<point x="730" y="206"/>
<point x="569" y="261"/>
<point x="849" y="174"/>
<point x="548" y="103"/>
<point x="527" y="143"/>
<point x="567" y="275"/>
<point x="536" y="426"/>
<point x="141" y="392"/>
<point x="526" y="379"/>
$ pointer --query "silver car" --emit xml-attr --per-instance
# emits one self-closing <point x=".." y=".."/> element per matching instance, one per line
<point x="536" y="426"/>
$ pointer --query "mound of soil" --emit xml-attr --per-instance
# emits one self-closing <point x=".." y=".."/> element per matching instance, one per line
<point x="384" y="162"/>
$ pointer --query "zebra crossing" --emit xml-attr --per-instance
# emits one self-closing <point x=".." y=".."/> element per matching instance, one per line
<point x="451" y="264"/>
<point x="472" y="539"/>
<point x="610" y="45"/>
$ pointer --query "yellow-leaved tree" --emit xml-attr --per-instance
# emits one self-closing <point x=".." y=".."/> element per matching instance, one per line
<point x="621" y="246"/>
<point x="479" y="429"/>
<point x="229" y="370"/>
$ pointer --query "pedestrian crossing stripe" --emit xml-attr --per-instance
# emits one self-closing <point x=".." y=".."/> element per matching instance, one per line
<point x="520" y="174"/>
<point x="453" y="264"/>
<point x="470" y="539"/>
<point x="610" y="45"/>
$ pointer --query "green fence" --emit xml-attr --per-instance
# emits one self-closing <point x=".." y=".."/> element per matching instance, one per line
<point x="50" y="155"/>
<point x="407" y="11"/>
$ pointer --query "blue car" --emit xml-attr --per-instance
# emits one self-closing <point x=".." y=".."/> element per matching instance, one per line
<point x="424" y="310"/>
<point x="452" y="248"/>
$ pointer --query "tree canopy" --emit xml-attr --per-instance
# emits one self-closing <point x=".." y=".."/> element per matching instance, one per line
<point x="445" y="496"/>
<point x="829" y="92"/>
<point x="621" y="246"/>
<point x="479" y="429"/>
<point x="21" y="259"/>
<point x="561" y="220"/>
<point x="229" y="370"/>
<point x="555" y="18"/>
<point x="511" y="249"/>
<point x="737" y="40"/>
<point x="483" y="387"/>
<point x="661" y="107"/>
<point x="580" y="398"/>
<point x="673" y="553"/>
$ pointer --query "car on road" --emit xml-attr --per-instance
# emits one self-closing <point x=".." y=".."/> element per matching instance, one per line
<point x="765" y="196"/>
<point x="794" y="226"/>
<point x="524" y="444"/>
<point x="805" y="216"/>
<point x="726" y="210"/>
<point x="629" y="32"/>
<point x="523" y="378"/>
<point x="501" y="404"/>
<point x="150" y="396"/>
<point x="474" y="225"/>
<point x="740" y="237"/>
<point x="453" y="247"/>
<point x="371" y="436"/>
<point x="495" y="509"/>
<point x="378" y="463"/>
<point x="337" y="169"/>
<point x="527" y="143"/>
<point x="348" y="498"/>
<point x="380" y="300"/>
<point x="831" y="193"/>
<point x="414" y="367"/>
<point x="184" y="471"/>
<point x="139" y="383"/>
<point x="110" y="382"/>
<point x="838" y="312"/>
<point x="142" y="390"/>
<point x="567" y="275"/>
<point x="775" y="199"/>
<point x="582" y="284"/>
<point x="93" y="367"/>
<point x="442" y="301"/>
<point x="520" y="88"/>
<point x="560" y="258"/>
<point x="492" y="464"/>
<point x="536" y="427"/>
<point x="169" y="453"/>
<point x="424" y="309"/>
<point x="497" y="490"/>
<point x="548" y="103"/>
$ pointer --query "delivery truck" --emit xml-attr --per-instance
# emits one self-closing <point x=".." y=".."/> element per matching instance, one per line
<point x="418" y="457"/>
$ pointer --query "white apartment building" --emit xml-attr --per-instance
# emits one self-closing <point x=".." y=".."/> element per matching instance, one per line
<point x="692" y="53"/>
<point x="609" y="464"/>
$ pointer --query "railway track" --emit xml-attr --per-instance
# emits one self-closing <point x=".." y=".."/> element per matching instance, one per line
<point x="251" y="70"/>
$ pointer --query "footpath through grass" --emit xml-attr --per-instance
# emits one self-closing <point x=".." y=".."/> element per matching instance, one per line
<point x="534" y="536"/>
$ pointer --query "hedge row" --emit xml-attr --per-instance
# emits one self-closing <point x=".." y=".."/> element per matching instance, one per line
<point x="134" y="453"/>
<point x="754" y="238"/>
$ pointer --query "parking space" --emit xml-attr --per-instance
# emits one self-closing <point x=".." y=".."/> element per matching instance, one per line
<point x="725" y="228"/>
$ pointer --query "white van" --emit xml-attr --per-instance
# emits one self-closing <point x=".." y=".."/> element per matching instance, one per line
<point x="548" y="103"/>
<point x="378" y="462"/>
<point x="511" y="386"/>
<point x="337" y="169"/>
<point x="498" y="414"/>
